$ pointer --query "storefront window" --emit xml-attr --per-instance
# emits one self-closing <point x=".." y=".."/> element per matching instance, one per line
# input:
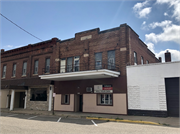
<point x="38" y="94"/>
<point x="104" y="99"/>
<point x="65" y="99"/>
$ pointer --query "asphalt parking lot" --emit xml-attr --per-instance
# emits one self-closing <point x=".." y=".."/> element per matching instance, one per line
<point x="54" y="119"/>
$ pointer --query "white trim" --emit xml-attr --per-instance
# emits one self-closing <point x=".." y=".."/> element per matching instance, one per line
<point x="50" y="97"/>
<point x="25" y="99"/>
<point x="12" y="100"/>
<point x="103" y="73"/>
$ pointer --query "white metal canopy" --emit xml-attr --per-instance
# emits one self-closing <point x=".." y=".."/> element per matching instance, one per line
<point x="93" y="74"/>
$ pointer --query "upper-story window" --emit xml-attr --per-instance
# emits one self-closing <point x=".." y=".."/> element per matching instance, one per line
<point x="76" y="63"/>
<point x="24" y="68"/>
<point x="47" y="65"/>
<point x="36" y="67"/>
<point x="63" y="66"/>
<point x="69" y="64"/>
<point x="98" y="61"/>
<point x="142" y="60"/>
<point x="147" y="62"/>
<point x="4" y="71"/>
<point x="14" y="70"/>
<point x="135" y="58"/>
<point x="111" y="59"/>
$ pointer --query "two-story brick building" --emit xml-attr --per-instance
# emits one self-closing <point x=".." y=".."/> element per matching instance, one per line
<point x="21" y="86"/>
<point x="92" y="69"/>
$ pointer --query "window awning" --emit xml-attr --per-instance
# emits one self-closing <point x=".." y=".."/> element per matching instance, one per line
<point x="81" y="75"/>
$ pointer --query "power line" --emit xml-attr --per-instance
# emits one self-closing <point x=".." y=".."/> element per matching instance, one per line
<point x="21" y="28"/>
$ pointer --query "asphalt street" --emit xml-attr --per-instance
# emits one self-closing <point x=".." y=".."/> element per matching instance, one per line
<point x="24" y="123"/>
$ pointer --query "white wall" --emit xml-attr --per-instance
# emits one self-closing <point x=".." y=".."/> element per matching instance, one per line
<point x="146" y="85"/>
<point x="3" y="98"/>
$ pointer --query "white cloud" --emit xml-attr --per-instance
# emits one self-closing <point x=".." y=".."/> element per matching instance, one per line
<point x="170" y="33"/>
<point x="144" y="12"/>
<point x="150" y="46"/>
<point x="165" y="23"/>
<point x="175" y="55"/>
<point x="141" y="10"/>
<point x="144" y="22"/>
<point x="172" y="3"/>
<point x="165" y="14"/>
<point x="9" y="46"/>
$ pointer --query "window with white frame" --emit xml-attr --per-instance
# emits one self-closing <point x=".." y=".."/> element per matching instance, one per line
<point x="65" y="99"/>
<point x="14" y="70"/>
<point x="104" y="99"/>
<point x="135" y="58"/>
<point x="4" y="71"/>
<point x="47" y="65"/>
<point x="142" y="60"/>
<point x="24" y="68"/>
<point x="36" y="67"/>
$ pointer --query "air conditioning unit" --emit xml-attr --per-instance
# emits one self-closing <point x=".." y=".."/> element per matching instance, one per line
<point x="88" y="89"/>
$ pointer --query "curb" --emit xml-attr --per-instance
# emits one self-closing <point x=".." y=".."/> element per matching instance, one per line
<point x="128" y="121"/>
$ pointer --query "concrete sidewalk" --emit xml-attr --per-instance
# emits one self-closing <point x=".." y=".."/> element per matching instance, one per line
<point x="165" y="121"/>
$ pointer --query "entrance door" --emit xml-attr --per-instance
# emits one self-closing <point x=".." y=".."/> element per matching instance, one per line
<point x="21" y="99"/>
<point x="80" y="103"/>
<point x="172" y="96"/>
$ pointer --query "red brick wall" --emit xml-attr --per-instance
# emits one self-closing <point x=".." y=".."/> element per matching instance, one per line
<point x="140" y="48"/>
<point x="28" y="53"/>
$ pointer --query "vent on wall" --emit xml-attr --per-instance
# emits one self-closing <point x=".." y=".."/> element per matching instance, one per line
<point x="88" y="89"/>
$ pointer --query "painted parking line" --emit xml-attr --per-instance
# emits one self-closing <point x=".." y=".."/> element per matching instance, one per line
<point x="94" y="123"/>
<point x="32" y="117"/>
<point x="12" y="115"/>
<point x="59" y="119"/>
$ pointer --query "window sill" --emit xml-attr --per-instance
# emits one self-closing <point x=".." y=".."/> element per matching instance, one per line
<point x="23" y="76"/>
<point x="65" y="103"/>
<point x="13" y="76"/>
<point x="3" y="77"/>
<point x="104" y="104"/>
<point x="35" y="74"/>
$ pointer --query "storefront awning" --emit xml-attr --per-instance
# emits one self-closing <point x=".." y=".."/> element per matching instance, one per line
<point x="81" y="75"/>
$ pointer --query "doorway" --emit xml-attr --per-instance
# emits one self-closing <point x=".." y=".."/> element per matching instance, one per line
<point x="78" y="103"/>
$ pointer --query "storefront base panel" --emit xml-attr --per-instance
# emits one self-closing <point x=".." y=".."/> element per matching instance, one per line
<point x="58" y="106"/>
<point x="119" y="104"/>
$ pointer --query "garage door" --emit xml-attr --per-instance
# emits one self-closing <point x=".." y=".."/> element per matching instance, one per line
<point x="172" y="95"/>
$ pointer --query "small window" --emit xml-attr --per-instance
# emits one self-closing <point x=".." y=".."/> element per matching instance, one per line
<point x="65" y="99"/>
<point x="142" y="60"/>
<point x="69" y="64"/>
<point x="36" y="67"/>
<point x="147" y="62"/>
<point x="4" y="71"/>
<point x="63" y="66"/>
<point x="111" y="59"/>
<point x="104" y="99"/>
<point x="38" y="94"/>
<point x="14" y="70"/>
<point x="135" y="58"/>
<point x="47" y="65"/>
<point x="98" y="60"/>
<point x="24" y="68"/>
<point x="76" y="63"/>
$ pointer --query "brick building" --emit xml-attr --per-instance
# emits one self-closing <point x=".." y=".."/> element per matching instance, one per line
<point x="21" y="86"/>
<point x="92" y="69"/>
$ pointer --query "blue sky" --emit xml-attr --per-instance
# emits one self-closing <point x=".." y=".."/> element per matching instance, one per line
<point x="157" y="22"/>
